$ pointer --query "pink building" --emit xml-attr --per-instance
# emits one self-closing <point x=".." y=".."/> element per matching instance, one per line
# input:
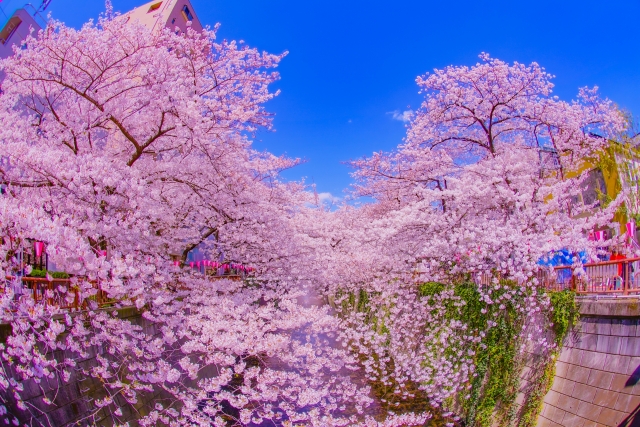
<point x="16" y="18"/>
<point x="157" y="15"/>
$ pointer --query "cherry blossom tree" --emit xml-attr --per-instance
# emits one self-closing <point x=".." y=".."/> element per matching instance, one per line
<point x="124" y="150"/>
<point x="486" y="183"/>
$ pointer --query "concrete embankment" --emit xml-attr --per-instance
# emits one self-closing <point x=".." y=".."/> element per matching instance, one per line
<point x="73" y="400"/>
<point x="597" y="379"/>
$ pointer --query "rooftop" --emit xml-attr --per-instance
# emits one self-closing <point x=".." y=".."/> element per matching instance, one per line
<point x="157" y="15"/>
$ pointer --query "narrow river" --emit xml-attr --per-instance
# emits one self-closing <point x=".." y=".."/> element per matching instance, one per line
<point x="382" y="406"/>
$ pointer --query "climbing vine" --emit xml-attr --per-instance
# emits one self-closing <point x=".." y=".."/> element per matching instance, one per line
<point x="499" y="362"/>
<point x="490" y="396"/>
<point x="494" y="388"/>
<point x="563" y="315"/>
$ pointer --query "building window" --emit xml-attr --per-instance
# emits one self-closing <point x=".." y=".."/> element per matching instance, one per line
<point x="187" y="13"/>
<point x="9" y="29"/>
<point x="549" y="161"/>
<point x="154" y="6"/>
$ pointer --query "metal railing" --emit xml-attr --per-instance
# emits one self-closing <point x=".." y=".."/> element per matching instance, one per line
<point x="620" y="277"/>
<point x="62" y="293"/>
<point x="65" y="293"/>
<point x="607" y="277"/>
<point x="8" y="9"/>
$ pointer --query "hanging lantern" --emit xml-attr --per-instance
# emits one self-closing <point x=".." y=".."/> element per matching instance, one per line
<point x="39" y="248"/>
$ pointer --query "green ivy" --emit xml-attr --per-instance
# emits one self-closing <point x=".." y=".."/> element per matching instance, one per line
<point x="498" y="362"/>
<point x="430" y="289"/>
<point x="564" y="315"/>
<point x="493" y="390"/>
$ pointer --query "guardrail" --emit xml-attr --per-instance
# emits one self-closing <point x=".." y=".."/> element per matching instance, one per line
<point x="618" y="277"/>
<point x="65" y="294"/>
<point x="599" y="278"/>
<point x="607" y="277"/>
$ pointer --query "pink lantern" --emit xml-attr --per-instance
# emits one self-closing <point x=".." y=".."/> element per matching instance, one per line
<point x="631" y="228"/>
<point x="198" y="264"/>
<point x="39" y="248"/>
<point x="191" y="264"/>
<point x="176" y="263"/>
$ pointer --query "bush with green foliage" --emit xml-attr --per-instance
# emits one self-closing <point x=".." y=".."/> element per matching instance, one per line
<point x="54" y="274"/>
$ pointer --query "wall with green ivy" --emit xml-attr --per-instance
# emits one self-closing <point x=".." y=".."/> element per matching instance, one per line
<point x="510" y="384"/>
<point x="591" y="376"/>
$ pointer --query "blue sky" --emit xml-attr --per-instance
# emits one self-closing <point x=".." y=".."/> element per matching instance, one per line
<point x="351" y="64"/>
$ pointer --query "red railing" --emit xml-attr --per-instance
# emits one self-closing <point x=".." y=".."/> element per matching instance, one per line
<point x="64" y="293"/>
<point x="607" y="277"/>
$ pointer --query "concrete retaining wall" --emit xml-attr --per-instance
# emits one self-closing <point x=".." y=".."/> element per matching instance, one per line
<point x="597" y="380"/>
<point x="72" y="399"/>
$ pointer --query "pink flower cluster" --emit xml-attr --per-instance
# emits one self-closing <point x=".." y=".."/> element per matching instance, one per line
<point x="114" y="137"/>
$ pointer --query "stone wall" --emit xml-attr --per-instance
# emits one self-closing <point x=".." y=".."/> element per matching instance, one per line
<point x="71" y="400"/>
<point x="597" y="381"/>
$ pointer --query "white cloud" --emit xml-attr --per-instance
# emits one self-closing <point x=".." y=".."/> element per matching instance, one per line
<point x="404" y="116"/>
<point x="328" y="198"/>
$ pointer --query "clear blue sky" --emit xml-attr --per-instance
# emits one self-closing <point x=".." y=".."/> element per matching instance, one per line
<point x="353" y="62"/>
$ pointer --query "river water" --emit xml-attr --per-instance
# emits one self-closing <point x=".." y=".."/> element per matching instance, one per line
<point x="382" y="405"/>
